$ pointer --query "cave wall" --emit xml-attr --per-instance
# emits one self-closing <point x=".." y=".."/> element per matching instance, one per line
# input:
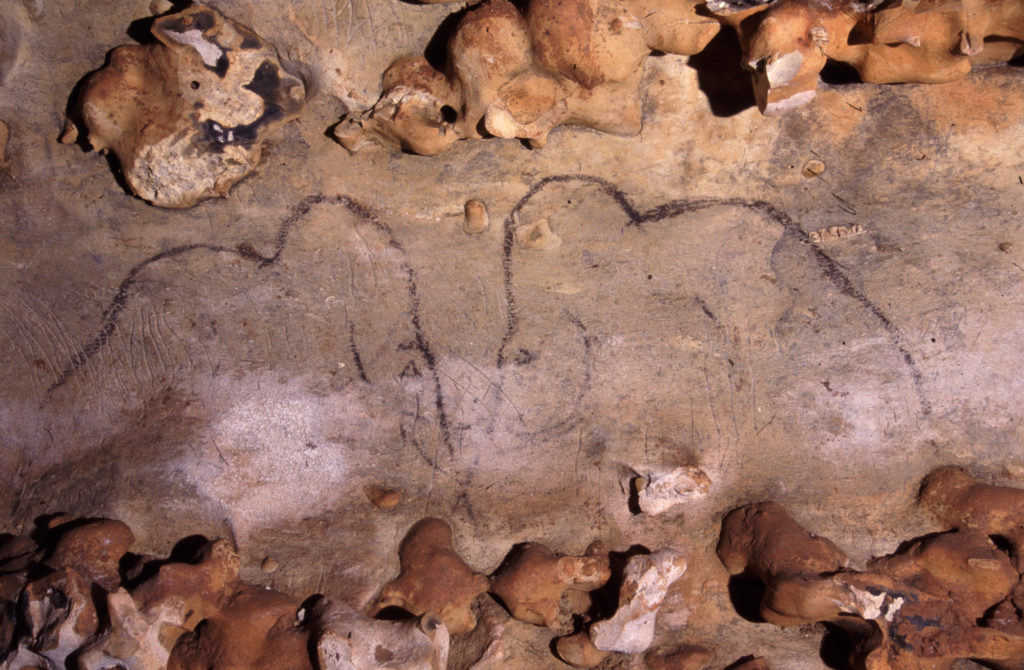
<point x="672" y="312"/>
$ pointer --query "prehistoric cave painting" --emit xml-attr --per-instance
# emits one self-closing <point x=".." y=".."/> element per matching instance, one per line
<point x="733" y="288"/>
<point x="344" y="21"/>
<point x="662" y="335"/>
<point x="286" y="377"/>
<point x="382" y="251"/>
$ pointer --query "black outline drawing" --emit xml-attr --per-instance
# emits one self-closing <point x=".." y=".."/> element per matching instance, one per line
<point x="831" y="270"/>
<point x="112" y="314"/>
<point x="637" y="218"/>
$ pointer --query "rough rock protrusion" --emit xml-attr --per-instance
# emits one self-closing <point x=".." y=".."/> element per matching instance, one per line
<point x="487" y="647"/>
<point x="134" y="640"/>
<point x="645" y="583"/>
<point x="578" y="62"/>
<point x="578" y="650"/>
<point x="541" y="587"/>
<point x="957" y="500"/>
<point x="475" y="219"/>
<point x="348" y="640"/>
<point x="94" y="549"/>
<point x="786" y="43"/>
<point x="519" y="74"/>
<point x="660" y="488"/>
<point x="764" y="540"/>
<point x="254" y="629"/>
<point x="686" y="657"/>
<point x="942" y="597"/>
<point x="59" y="614"/>
<point x="434" y="578"/>
<point x="146" y="623"/>
<point x="188" y="116"/>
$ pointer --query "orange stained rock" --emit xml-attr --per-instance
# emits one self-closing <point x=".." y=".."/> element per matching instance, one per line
<point x="94" y="549"/>
<point x="578" y="61"/>
<point x="534" y="583"/>
<point x="787" y="43"/>
<point x="434" y="578"/>
<point x="578" y="650"/>
<point x="765" y="540"/>
<point x="686" y="657"/>
<point x="956" y="499"/>
<point x="202" y="586"/>
<point x="255" y="629"/>
<point x="513" y="73"/>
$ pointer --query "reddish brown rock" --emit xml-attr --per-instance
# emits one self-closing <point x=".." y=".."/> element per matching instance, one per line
<point x="578" y="650"/>
<point x="434" y="578"/>
<point x="765" y="540"/>
<point x="94" y="549"/>
<point x="201" y="586"/>
<point x="923" y="607"/>
<point x="536" y="583"/>
<point x="957" y="500"/>
<point x="687" y="657"/>
<point x="255" y="629"/>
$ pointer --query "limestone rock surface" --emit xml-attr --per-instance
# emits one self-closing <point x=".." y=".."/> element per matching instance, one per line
<point x="646" y="581"/>
<point x="188" y="115"/>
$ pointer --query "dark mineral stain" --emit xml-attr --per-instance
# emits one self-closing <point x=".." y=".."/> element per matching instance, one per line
<point x="266" y="82"/>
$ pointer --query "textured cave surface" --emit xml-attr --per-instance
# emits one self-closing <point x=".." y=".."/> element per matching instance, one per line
<point x="246" y="368"/>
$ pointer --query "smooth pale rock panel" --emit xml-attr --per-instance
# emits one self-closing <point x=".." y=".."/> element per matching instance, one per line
<point x="187" y="116"/>
<point x="13" y="28"/>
